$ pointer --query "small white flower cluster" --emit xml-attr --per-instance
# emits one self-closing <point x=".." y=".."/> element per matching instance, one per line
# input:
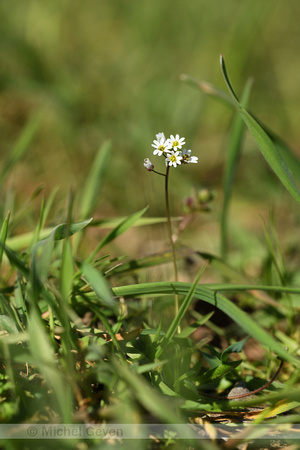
<point x="171" y="149"/>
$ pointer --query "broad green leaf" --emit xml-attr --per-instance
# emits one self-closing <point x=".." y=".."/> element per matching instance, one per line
<point x="242" y="319"/>
<point x="217" y="372"/>
<point x="237" y="347"/>
<point x="267" y="147"/>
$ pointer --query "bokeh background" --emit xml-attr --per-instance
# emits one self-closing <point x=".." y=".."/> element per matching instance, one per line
<point x="109" y="69"/>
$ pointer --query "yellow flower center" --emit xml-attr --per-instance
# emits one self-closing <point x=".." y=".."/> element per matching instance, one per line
<point x="175" y="143"/>
<point x="173" y="158"/>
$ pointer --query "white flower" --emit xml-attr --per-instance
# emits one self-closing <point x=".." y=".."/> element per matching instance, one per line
<point x="148" y="164"/>
<point x="161" y="145"/>
<point x="187" y="158"/>
<point x="174" y="159"/>
<point x="176" y="142"/>
<point x="160" y="136"/>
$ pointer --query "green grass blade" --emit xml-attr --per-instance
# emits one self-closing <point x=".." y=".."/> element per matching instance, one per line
<point x="15" y="261"/>
<point x="273" y="255"/>
<point x="118" y="230"/>
<point x="149" y="261"/>
<point x="8" y="324"/>
<point x="41" y="254"/>
<point x="153" y="402"/>
<point x="66" y="230"/>
<point x="23" y="240"/>
<point x="217" y="372"/>
<point x="234" y="150"/>
<point x="20" y="305"/>
<point x="3" y="234"/>
<point x="237" y="347"/>
<point x="267" y="147"/>
<point x="43" y="354"/>
<point x="142" y="221"/>
<point x="45" y="208"/>
<point x="90" y="196"/>
<point x="191" y="328"/>
<point x="181" y="313"/>
<point x="21" y="146"/>
<point x="242" y="319"/>
<point x="67" y="269"/>
<point x="39" y="226"/>
<point x="100" y="287"/>
<point x="207" y="88"/>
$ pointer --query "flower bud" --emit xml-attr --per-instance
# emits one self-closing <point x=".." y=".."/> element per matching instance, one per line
<point x="206" y="195"/>
<point x="148" y="164"/>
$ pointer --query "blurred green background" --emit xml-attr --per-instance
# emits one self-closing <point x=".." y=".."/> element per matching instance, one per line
<point x="109" y="69"/>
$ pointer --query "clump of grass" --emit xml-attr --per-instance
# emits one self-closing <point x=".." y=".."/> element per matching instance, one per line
<point x="81" y="345"/>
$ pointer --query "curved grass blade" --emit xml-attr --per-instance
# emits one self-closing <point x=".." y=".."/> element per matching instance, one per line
<point x="243" y="320"/>
<point x="118" y="230"/>
<point x="149" y="261"/>
<point x="23" y="240"/>
<point x="267" y="147"/>
<point x="233" y="154"/>
<point x="142" y="221"/>
<point x="207" y="88"/>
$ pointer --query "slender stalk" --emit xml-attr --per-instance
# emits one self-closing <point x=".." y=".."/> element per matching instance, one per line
<point x="169" y="225"/>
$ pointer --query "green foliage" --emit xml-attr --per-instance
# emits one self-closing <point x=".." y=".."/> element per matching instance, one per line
<point x="269" y="150"/>
<point x="88" y="336"/>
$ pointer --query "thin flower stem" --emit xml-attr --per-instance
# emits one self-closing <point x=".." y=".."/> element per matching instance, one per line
<point x="158" y="173"/>
<point x="170" y="235"/>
